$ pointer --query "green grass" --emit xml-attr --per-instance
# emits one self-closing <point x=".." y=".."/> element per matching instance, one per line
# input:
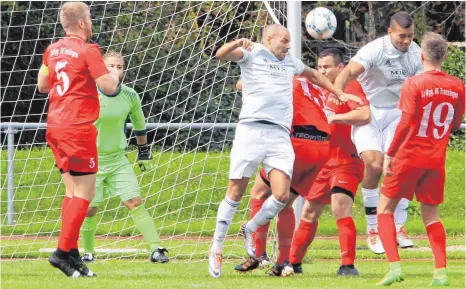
<point x="182" y="194"/>
<point x="123" y="274"/>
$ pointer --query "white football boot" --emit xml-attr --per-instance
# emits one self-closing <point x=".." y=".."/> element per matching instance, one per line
<point x="215" y="263"/>
<point x="248" y="241"/>
<point x="403" y="240"/>
<point x="374" y="243"/>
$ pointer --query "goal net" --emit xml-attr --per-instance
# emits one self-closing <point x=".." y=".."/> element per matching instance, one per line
<point x="190" y="103"/>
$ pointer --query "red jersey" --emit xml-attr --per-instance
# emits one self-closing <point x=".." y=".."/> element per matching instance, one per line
<point x="342" y="149"/>
<point x="308" y="109"/>
<point x="73" y="67"/>
<point x="435" y="100"/>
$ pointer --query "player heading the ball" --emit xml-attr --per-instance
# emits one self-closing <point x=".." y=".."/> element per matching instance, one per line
<point x="262" y="134"/>
<point x="380" y="67"/>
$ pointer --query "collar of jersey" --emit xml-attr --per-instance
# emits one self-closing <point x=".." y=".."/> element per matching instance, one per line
<point x="435" y="71"/>
<point x="112" y="95"/>
<point x="75" y="37"/>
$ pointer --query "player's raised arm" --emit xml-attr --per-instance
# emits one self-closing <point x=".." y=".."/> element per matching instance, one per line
<point x="350" y="72"/>
<point x="360" y="114"/>
<point x="232" y="51"/>
<point x="107" y="80"/>
<point x="319" y="79"/>
<point x="362" y="61"/>
<point x="108" y="83"/>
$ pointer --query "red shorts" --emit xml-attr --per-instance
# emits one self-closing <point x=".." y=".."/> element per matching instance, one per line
<point x="74" y="148"/>
<point x="428" y="184"/>
<point x="347" y="177"/>
<point x="310" y="158"/>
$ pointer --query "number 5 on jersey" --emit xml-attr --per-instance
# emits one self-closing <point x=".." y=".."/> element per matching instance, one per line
<point x="61" y="75"/>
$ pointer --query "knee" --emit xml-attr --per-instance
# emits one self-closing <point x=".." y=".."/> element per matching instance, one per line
<point x="386" y="205"/>
<point x="133" y="203"/>
<point x="91" y="212"/>
<point x="282" y="197"/>
<point x="310" y="215"/>
<point x="236" y="189"/>
<point x="373" y="170"/>
<point x="341" y="209"/>
<point x="260" y="192"/>
<point x="429" y="213"/>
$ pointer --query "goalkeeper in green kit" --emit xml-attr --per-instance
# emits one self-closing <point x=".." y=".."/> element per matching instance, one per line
<point x="116" y="177"/>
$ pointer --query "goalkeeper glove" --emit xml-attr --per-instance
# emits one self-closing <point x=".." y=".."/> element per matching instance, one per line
<point x="144" y="159"/>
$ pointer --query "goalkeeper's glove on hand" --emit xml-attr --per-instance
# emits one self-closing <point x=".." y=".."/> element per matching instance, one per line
<point x="144" y="159"/>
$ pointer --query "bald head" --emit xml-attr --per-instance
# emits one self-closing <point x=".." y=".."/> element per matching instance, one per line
<point x="276" y="38"/>
<point x="273" y="29"/>
<point x="71" y="13"/>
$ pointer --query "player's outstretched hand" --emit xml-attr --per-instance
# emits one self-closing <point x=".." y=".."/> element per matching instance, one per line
<point x="245" y="43"/>
<point x="144" y="159"/>
<point x="387" y="166"/>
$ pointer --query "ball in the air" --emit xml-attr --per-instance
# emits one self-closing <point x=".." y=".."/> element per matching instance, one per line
<point x="321" y="23"/>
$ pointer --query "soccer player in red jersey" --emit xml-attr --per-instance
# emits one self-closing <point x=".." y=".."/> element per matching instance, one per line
<point x="432" y="104"/>
<point x="310" y="139"/>
<point x="70" y="71"/>
<point x="338" y="181"/>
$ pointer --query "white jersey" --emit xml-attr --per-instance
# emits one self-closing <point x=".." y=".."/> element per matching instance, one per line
<point x="385" y="70"/>
<point x="268" y="86"/>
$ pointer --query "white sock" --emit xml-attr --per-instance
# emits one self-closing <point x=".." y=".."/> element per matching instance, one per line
<point x="298" y="206"/>
<point x="371" y="200"/>
<point x="401" y="213"/>
<point x="226" y="212"/>
<point x="269" y="210"/>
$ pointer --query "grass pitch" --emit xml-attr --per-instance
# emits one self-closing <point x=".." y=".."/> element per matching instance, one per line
<point x="182" y="195"/>
<point x="124" y="274"/>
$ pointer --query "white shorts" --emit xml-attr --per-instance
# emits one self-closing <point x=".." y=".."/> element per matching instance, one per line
<point x="378" y="134"/>
<point x="257" y="143"/>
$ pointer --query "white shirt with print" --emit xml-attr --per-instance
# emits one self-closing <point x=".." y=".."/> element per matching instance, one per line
<point x="268" y="86"/>
<point x="385" y="70"/>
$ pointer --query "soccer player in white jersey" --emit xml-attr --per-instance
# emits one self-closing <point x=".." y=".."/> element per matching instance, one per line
<point x="380" y="67"/>
<point x="263" y="132"/>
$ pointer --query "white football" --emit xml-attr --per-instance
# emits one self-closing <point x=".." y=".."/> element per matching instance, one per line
<point x="321" y="23"/>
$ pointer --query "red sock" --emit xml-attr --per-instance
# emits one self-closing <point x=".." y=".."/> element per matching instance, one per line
<point x="438" y="240"/>
<point x="66" y="201"/>
<point x="387" y="233"/>
<point x="285" y="228"/>
<point x="302" y="239"/>
<point x="347" y="237"/>
<point x="73" y="218"/>
<point x="260" y="236"/>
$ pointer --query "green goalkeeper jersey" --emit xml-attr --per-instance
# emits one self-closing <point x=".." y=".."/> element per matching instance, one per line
<point x="114" y="110"/>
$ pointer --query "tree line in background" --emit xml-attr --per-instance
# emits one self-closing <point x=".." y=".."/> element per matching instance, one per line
<point x="169" y="50"/>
